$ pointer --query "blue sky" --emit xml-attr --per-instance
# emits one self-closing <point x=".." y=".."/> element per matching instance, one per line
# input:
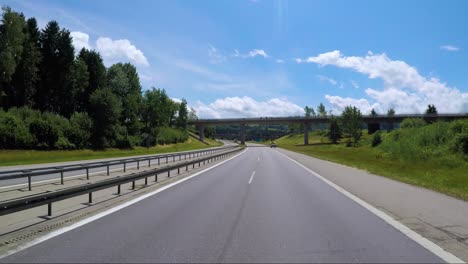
<point x="271" y="58"/>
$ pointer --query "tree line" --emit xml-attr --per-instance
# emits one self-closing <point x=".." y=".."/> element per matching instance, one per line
<point x="349" y="124"/>
<point x="53" y="98"/>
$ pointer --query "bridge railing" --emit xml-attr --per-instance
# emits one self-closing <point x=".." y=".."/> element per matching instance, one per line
<point x="321" y="118"/>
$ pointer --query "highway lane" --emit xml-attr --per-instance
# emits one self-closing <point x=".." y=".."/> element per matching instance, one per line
<point x="258" y="207"/>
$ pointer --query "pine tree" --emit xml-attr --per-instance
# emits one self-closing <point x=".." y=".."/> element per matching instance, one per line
<point x="26" y="76"/>
<point x="58" y="57"/>
<point x="182" y="116"/>
<point x="80" y="82"/>
<point x="334" y="131"/>
<point x="97" y="73"/>
<point x="12" y="36"/>
<point x="321" y="111"/>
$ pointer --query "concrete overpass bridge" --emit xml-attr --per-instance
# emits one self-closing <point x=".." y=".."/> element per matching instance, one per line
<point x="371" y="121"/>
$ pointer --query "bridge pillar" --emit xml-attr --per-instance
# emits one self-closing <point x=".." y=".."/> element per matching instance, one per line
<point x="242" y="134"/>
<point x="201" y="132"/>
<point x="306" y="134"/>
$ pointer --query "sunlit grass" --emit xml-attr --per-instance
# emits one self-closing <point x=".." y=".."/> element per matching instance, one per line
<point x="23" y="157"/>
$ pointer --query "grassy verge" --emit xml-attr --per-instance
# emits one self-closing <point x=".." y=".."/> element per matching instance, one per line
<point x="24" y="157"/>
<point x="446" y="177"/>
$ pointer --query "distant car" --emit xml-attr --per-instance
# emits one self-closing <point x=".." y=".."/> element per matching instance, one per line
<point x="273" y="145"/>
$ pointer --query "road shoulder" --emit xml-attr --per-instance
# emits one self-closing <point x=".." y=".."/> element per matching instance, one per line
<point x="437" y="217"/>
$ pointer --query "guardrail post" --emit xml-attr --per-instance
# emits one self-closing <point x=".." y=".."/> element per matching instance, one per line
<point x="146" y="181"/>
<point x="61" y="177"/>
<point x="87" y="173"/>
<point x="125" y="166"/>
<point x="149" y="163"/>
<point x="49" y="209"/>
<point x="168" y="173"/>
<point x="133" y="185"/>
<point x="186" y="168"/>
<point x="107" y="169"/>
<point x="173" y="158"/>
<point x="167" y="159"/>
<point x="138" y="164"/>
<point x="158" y="161"/>
<point x="156" y="177"/>
<point x="193" y="166"/>
<point x="29" y="182"/>
<point x="118" y="189"/>
<point x="178" y="170"/>
<point x="90" y="197"/>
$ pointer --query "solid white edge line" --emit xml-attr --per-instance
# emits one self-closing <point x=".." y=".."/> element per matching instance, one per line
<point x="251" y="177"/>
<point x="110" y="211"/>
<point x="424" y="242"/>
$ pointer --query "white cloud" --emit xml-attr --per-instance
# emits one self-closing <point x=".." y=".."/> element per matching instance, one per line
<point x="354" y="84"/>
<point x="177" y="100"/>
<point x="252" y="54"/>
<point x="115" y="50"/>
<point x="112" y="51"/>
<point x="327" y="79"/>
<point x="279" y="61"/>
<point x="247" y="107"/>
<point x="403" y="87"/>
<point x="215" y="56"/>
<point x="339" y="103"/>
<point x="449" y="48"/>
<point x="80" y="40"/>
<point x="257" y="52"/>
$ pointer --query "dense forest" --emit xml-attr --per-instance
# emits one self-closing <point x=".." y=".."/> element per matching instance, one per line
<point x="53" y="97"/>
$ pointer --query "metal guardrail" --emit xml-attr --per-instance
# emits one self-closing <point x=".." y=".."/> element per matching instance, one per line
<point x="55" y="196"/>
<point x="34" y="172"/>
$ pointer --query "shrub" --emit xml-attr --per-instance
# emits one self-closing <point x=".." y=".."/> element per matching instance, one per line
<point x="334" y="131"/>
<point x="412" y="123"/>
<point x="168" y="135"/>
<point x="13" y="132"/>
<point x="376" y="139"/>
<point x="437" y="140"/>
<point x="45" y="133"/>
<point x="63" y="144"/>
<point x="460" y="143"/>
<point x="79" y="131"/>
<point x="459" y="126"/>
<point x="123" y="142"/>
<point x="351" y="123"/>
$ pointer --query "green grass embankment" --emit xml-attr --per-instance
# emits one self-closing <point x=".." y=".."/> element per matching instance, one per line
<point x="24" y="157"/>
<point x="431" y="166"/>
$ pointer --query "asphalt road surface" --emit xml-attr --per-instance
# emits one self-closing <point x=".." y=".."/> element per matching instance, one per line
<point x="257" y="207"/>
